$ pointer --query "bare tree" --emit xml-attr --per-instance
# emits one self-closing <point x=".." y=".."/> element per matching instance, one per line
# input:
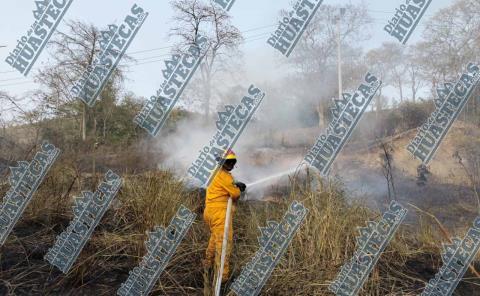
<point x="396" y="63"/>
<point x="314" y="58"/>
<point x="73" y="51"/>
<point x="398" y="67"/>
<point x="9" y="104"/>
<point x="378" y="61"/>
<point x="414" y="70"/>
<point x="451" y="41"/>
<point x="193" y="18"/>
<point x="29" y="121"/>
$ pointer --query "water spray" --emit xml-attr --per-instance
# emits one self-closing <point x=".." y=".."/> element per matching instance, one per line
<point x="272" y="177"/>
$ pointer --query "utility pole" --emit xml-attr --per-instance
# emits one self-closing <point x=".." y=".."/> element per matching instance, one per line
<point x="339" y="52"/>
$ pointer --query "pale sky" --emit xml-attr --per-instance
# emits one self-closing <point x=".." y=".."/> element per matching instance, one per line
<point x="256" y="18"/>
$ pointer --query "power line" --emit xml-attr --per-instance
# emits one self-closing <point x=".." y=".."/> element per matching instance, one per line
<point x="148" y="50"/>
<point x="172" y="46"/>
<point x="18" y="83"/>
<point x="133" y="64"/>
<point x="164" y="47"/>
<point x="10" y="79"/>
<point x="391" y="12"/>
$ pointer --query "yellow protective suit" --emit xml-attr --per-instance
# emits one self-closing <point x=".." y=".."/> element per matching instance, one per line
<point x="220" y="189"/>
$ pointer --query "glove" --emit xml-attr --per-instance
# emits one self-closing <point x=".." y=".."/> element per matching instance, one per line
<point x="241" y="186"/>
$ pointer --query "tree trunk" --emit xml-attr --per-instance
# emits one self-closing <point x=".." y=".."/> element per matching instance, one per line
<point x="414" y="92"/>
<point x="84" y="122"/>
<point x="434" y="88"/>
<point x="208" y="93"/>
<point x="475" y="102"/>
<point x="378" y="106"/>
<point x="465" y="112"/>
<point x="321" y="119"/>
<point x="104" y="133"/>
<point x="94" y="143"/>
<point x="400" y="88"/>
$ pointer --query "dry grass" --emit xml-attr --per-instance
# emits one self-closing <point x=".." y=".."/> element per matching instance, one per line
<point x="325" y="241"/>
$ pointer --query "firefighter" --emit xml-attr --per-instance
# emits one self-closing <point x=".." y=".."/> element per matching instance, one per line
<point x="422" y="172"/>
<point x="219" y="191"/>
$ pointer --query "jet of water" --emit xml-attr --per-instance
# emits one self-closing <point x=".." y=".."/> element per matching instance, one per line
<point x="272" y="177"/>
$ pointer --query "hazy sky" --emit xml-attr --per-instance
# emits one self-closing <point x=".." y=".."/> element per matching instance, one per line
<point x="256" y="18"/>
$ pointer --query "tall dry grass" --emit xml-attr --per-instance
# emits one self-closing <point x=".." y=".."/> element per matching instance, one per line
<point x="322" y="245"/>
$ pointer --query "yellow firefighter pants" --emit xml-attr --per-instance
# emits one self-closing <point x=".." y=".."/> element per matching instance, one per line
<point x="215" y="219"/>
